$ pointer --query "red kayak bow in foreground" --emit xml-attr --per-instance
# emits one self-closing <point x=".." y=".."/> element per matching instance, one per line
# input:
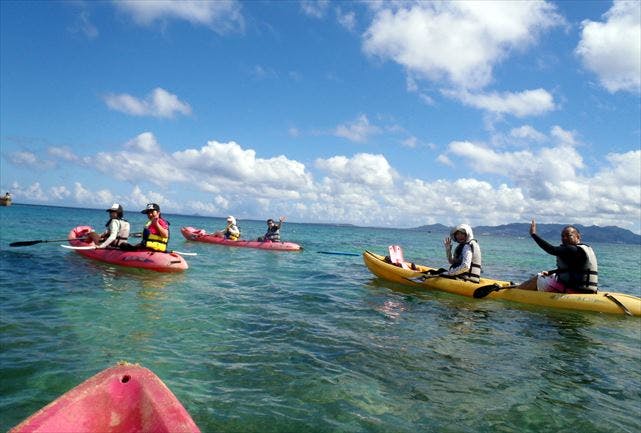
<point x="126" y="398"/>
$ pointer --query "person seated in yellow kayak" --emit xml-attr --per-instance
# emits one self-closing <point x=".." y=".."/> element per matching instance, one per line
<point x="155" y="235"/>
<point x="576" y="265"/>
<point x="117" y="231"/>
<point x="465" y="261"/>
<point x="273" y="231"/>
<point x="231" y="230"/>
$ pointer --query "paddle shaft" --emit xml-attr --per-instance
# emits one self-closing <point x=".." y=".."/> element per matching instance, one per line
<point x="420" y="278"/>
<point x="29" y="243"/>
<point x="43" y="241"/>
<point x="339" y="253"/>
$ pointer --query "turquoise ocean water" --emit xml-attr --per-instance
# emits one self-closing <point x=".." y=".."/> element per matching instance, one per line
<point x="260" y="341"/>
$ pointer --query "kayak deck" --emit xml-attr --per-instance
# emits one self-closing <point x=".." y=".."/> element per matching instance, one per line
<point x="604" y="302"/>
<point x="126" y="398"/>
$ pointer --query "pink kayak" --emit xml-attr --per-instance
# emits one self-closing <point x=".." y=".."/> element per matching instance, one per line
<point x="152" y="260"/>
<point x="200" y="235"/>
<point x="126" y="398"/>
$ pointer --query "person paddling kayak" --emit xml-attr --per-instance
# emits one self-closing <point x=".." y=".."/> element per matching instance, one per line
<point x="577" y="269"/>
<point x="117" y="231"/>
<point x="231" y="230"/>
<point x="465" y="261"/>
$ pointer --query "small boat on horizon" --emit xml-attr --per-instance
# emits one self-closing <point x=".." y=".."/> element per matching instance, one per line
<point x="6" y="199"/>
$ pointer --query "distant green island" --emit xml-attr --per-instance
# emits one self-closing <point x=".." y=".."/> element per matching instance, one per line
<point x="550" y="232"/>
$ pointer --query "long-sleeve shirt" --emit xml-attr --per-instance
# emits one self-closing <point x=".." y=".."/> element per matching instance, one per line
<point x="466" y="262"/>
<point x="572" y="255"/>
<point x="113" y="230"/>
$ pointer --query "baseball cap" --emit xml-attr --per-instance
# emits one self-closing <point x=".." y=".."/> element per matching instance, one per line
<point x="115" y="208"/>
<point x="151" y="206"/>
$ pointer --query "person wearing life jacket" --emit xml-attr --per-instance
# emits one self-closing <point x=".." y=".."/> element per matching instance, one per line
<point x="465" y="261"/>
<point x="273" y="231"/>
<point x="231" y="230"/>
<point x="576" y="265"/>
<point x="117" y="231"/>
<point x="155" y="235"/>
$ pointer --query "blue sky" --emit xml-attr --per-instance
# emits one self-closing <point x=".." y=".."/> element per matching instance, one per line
<point x="371" y="113"/>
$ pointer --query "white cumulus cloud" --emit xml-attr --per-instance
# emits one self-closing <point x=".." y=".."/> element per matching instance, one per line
<point x="547" y="179"/>
<point x="612" y="48"/>
<point x="314" y="8"/>
<point x="459" y="42"/>
<point x="222" y="16"/>
<point x="363" y="168"/>
<point x="527" y="132"/>
<point x="145" y="142"/>
<point x="159" y="103"/>
<point x="520" y="104"/>
<point x="358" y="130"/>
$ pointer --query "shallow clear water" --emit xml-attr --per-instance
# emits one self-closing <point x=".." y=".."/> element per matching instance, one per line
<point x="260" y="341"/>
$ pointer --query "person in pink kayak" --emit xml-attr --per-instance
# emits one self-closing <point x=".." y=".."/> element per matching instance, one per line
<point x="273" y="231"/>
<point x="117" y="231"/>
<point x="231" y="230"/>
<point x="155" y="235"/>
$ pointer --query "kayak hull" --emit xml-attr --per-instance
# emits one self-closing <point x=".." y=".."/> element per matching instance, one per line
<point x="598" y="302"/>
<point x="126" y="398"/>
<point x="151" y="260"/>
<point x="200" y="235"/>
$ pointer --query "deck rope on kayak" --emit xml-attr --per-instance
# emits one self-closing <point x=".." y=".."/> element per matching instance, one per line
<point x="616" y="301"/>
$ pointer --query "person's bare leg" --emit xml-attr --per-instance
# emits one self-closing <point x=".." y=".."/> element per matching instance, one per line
<point x="529" y="284"/>
<point x="94" y="237"/>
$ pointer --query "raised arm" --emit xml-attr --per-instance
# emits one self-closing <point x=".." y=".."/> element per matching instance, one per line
<point x="447" y="242"/>
<point x="162" y="228"/>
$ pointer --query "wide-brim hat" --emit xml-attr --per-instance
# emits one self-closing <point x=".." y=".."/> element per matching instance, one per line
<point x="151" y="206"/>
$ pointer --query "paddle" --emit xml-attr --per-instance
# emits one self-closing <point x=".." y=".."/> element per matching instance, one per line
<point x="28" y="243"/>
<point x="432" y="273"/>
<point x="340" y="253"/>
<point x="423" y="277"/>
<point x="483" y="291"/>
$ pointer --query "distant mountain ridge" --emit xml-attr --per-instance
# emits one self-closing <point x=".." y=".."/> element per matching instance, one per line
<point x="550" y="232"/>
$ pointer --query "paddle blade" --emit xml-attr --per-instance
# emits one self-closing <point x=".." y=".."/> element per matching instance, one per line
<point x="483" y="291"/>
<point x="418" y="279"/>
<point x="27" y="243"/>
<point x="24" y="243"/>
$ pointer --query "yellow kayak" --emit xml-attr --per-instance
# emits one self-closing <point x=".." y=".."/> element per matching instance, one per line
<point x="411" y="275"/>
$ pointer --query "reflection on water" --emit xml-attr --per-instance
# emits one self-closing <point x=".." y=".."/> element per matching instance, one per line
<point x="391" y="309"/>
<point x="148" y="284"/>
